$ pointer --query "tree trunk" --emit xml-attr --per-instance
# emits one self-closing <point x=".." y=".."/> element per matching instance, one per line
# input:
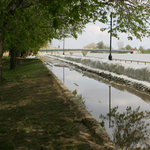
<point x="1" y="54"/>
<point x="13" y="59"/>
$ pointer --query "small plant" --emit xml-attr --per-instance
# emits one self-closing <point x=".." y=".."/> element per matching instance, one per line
<point x="84" y="53"/>
<point x="71" y="53"/>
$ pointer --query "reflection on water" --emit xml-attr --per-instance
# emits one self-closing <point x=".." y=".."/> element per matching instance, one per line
<point x="109" y="105"/>
<point x="130" y="131"/>
<point x="63" y="75"/>
<point x="101" y="95"/>
<point x="79" y="97"/>
<point x="121" y="86"/>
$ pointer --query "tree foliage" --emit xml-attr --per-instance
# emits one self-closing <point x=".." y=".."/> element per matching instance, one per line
<point x="141" y="48"/>
<point x="90" y="46"/>
<point x="100" y="45"/>
<point x="145" y="51"/>
<point x="131" y="17"/>
<point x="128" y="47"/>
<point x="27" y="24"/>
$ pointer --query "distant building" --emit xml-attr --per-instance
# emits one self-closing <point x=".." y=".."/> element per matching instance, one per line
<point x="135" y="51"/>
<point x="132" y="49"/>
<point x="6" y="53"/>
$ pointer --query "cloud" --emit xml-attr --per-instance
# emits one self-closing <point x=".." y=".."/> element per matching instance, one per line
<point x="92" y="34"/>
<point x="93" y="30"/>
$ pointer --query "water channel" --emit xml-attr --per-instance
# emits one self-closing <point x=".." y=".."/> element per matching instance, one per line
<point x="100" y="95"/>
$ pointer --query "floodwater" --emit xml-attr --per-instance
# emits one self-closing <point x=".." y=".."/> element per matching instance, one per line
<point x="138" y="57"/>
<point x="101" y="95"/>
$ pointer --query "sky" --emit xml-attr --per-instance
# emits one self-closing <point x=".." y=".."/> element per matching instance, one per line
<point x="92" y="34"/>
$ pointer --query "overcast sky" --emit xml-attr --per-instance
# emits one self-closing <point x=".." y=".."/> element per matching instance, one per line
<point x="93" y="34"/>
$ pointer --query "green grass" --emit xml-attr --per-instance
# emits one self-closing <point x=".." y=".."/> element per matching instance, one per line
<point x="6" y="57"/>
<point x="33" y="115"/>
<point x="26" y="69"/>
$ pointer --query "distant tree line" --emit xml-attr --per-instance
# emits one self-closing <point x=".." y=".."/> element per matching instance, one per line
<point x="127" y="47"/>
<point x="101" y="45"/>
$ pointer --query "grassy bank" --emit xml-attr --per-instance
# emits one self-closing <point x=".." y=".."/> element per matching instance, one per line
<point x="33" y="114"/>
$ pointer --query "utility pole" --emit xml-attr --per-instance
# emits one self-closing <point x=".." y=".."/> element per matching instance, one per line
<point x="110" y="56"/>
<point x="63" y="46"/>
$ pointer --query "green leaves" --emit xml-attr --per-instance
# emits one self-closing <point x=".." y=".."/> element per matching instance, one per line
<point x="58" y="18"/>
<point x="55" y="23"/>
<point x="75" y="12"/>
<point x="130" y="38"/>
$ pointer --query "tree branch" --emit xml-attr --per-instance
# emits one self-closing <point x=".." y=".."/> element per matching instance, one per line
<point x="24" y="7"/>
<point x="13" y="5"/>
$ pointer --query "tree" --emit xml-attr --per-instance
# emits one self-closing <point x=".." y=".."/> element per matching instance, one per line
<point x="60" y="20"/>
<point x="23" y="42"/>
<point x="128" y="47"/>
<point x="67" y="18"/>
<point x="130" y="17"/>
<point x="141" y="48"/>
<point x="100" y="45"/>
<point x="30" y="15"/>
<point x="90" y="46"/>
<point x="106" y="47"/>
<point x="148" y="50"/>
